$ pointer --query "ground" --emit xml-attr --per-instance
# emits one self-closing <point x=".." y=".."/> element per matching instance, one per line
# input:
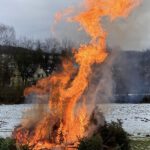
<point x="140" y="144"/>
<point x="135" y="119"/>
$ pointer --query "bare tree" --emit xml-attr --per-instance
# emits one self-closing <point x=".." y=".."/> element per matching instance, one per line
<point x="26" y="43"/>
<point x="67" y="44"/>
<point x="51" y="44"/>
<point x="38" y="45"/>
<point x="7" y="35"/>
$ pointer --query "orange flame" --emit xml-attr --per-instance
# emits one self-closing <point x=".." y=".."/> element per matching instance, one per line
<point x="66" y="121"/>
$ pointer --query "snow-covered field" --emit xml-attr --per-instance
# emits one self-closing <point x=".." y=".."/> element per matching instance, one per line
<point x="135" y="117"/>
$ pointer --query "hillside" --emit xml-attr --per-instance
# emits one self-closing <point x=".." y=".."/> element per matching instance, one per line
<point x="128" y="70"/>
<point x="20" y="68"/>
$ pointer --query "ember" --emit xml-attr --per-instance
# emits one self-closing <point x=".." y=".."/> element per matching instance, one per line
<point x="66" y="120"/>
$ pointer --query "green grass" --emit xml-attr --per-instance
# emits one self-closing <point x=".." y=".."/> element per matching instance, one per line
<point x="10" y="144"/>
<point x="140" y="144"/>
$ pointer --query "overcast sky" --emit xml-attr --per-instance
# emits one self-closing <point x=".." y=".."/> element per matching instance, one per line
<point x="34" y="18"/>
<point x="31" y="18"/>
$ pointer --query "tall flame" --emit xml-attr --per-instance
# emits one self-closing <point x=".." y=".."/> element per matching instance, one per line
<point x="65" y="121"/>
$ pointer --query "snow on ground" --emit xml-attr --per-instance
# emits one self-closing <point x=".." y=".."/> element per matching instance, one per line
<point x="10" y="116"/>
<point x="135" y="117"/>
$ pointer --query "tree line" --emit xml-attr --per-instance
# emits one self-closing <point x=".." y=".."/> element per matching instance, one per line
<point x="8" y="38"/>
<point x="27" y="54"/>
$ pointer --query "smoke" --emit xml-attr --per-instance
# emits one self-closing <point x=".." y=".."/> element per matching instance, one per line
<point x="101" y="87"/>
<point x="70" y="31"/>
<point x="96" y="120"/>
<point x="131" y="33"/>
<point x="128" y="76"/>
<point x="32" y="116"/>
<point x="104" y="91"/>
<point x="62" y="123"/>
<point x="37" y="112"/>
<point x="120" y="78"/>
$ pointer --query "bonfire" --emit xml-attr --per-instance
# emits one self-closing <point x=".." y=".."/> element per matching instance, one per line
<point x="66" y="119"/>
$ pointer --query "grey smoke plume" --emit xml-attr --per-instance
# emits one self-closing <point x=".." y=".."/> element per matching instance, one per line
<point x="105" y="89"/>
<point x="32" y="116"/>
<point x="130" y="33"/>
<point x="129" y="76"/>
<point x="102" y="85"/>
<point x="121" y="78"/>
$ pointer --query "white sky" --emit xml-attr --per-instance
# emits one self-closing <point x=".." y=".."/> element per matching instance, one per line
<point x="33" y="18"/>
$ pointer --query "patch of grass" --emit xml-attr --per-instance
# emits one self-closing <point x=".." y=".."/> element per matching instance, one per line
<point x="114" y="136"/>
<point x="7" y="144"/>
<point x="10" y="144"/>
<point x="111" y="136"/>
<point x="140" y="144"/>
<point x="93" y="143"/>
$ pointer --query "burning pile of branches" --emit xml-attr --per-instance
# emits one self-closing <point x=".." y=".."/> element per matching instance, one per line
<point x="68" y="115"/>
